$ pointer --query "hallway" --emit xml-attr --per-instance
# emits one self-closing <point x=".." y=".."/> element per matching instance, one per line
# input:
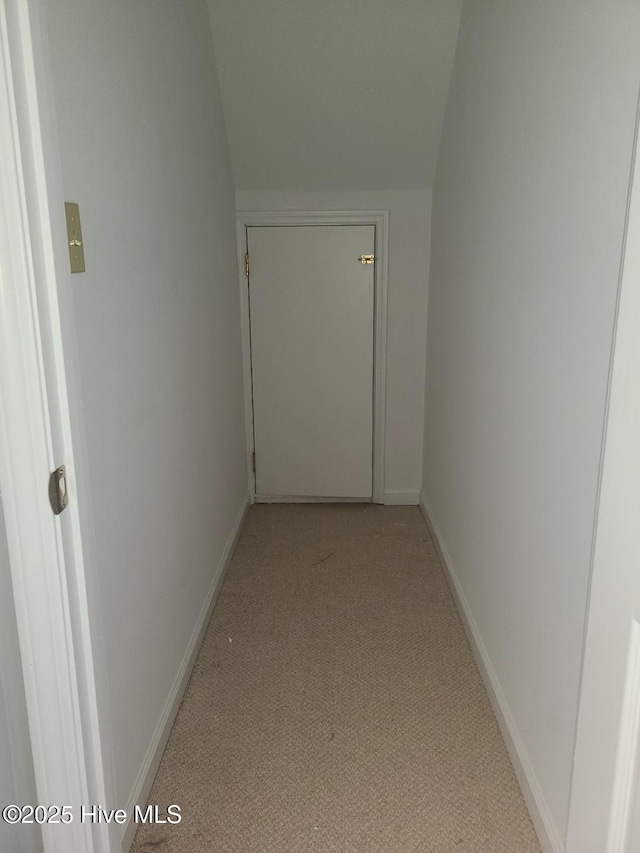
<point x="335" y="704"/>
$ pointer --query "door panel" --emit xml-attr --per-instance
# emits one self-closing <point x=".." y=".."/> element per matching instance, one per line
<point x="312" y="307"/>
<point x="17" y="781"/>
<point x="604" y="813"/>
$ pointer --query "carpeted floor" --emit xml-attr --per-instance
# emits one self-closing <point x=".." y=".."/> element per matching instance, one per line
<point x="335" y="704"/>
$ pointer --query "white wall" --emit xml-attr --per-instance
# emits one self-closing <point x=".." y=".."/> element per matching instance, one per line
<point x="17" y="783"/>
<point x="409" y="226"/>
<point x="316" y="97"/>
<point x="144" y="153"/>
<point x="529" y="208"/>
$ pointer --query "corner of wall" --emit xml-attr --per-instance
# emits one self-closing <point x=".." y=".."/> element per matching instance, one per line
<point x="531" y="790"/>
<point x="144" y="781"/>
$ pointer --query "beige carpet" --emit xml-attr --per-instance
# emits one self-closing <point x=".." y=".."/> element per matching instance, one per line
<point x="336" y="705"/>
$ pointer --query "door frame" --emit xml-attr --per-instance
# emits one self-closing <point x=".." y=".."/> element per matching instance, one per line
<point x="608" y="726"/>
<point x="380" y="220"/>
<point x="41" y="428"/>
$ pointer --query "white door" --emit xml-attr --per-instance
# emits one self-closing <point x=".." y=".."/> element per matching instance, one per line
<point x="311" y="314"/>
<point x="17" y="780"/>
<point x="604" y="815"/>
<point x="40" y="425"/>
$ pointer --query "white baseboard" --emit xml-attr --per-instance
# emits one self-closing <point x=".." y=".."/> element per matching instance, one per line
<point x="391" y="498"/>
<point x="149" y="768"/>
<point x="547" y="834"/>
<point x="304" y="499"/>
<point x="394" y="497"/>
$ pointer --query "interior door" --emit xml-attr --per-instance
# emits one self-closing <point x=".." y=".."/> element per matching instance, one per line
<point x="604" y="812"/>
<point x="17" y="780"/>
<point x="311" y="314"/>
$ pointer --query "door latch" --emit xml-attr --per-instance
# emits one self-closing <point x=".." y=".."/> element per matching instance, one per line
<point x="58" y="494"/>
<point x="367" y="259"/>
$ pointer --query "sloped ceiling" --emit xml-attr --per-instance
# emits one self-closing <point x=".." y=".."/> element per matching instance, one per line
<point x="334" y="94"/>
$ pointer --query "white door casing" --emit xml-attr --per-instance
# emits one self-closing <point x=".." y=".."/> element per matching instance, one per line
<point x="379" y="219"/>
<point x="311" y="303"/>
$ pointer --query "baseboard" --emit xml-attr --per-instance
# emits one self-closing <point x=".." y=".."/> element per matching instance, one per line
<point x="394" y="497"/>
<point x="144" y="780"/>
<point x="305" y="499"/>
<point x="534" y="798"/>
<point x="391" y="498"/>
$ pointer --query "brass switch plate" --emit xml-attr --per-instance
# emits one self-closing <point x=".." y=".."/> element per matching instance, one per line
<point x="74" y="237"/>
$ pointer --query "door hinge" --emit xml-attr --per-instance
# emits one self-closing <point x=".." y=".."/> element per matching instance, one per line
<point x="253" y="461"/>
<point x="58" y="494"/>
<point x="246" y="264"/>
<point x="367" y="259"/>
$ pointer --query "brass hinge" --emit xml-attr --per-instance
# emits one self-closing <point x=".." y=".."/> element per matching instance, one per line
<point x="367" y="259"/>
<point x="246" y="264"/>
<point x="253" y="460"/>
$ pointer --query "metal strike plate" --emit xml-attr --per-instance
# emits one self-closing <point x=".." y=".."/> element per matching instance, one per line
<point x="367" y="259"/>
<point x="58" y="494"/>
<point x="74" y="237"/>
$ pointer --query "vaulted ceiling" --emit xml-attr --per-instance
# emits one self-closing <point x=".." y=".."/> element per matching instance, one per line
<point x="334" y="94"/>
